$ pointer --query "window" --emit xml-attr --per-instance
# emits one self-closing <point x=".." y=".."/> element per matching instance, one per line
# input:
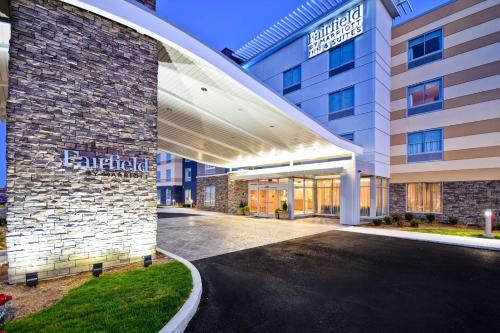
<point x="187" y="173"/>
<point x="364" y="196"/>
<point x="425" y="146"/>
<point x="169" y="158"/>
<point x="209" y="170"/>
<point x="292" y="79"/>
<point x="382" y="196"/>
<point x="169" y="175"/>
<point x="209" y="196"/>
<point x="348" y="136"/>
<point x="168" y="196"/>
<point x="342" y="58"/>
<point x="187" y="196"/>
<point x="158" y="159"/>
<point x="158" y="175"/>
<point x="424" y="198"/>
<point x="425" y="49"/>
<point x="341" y="103"/>
<point x="425" y="97"/>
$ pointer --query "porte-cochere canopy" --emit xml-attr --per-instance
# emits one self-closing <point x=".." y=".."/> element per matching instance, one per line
<point x="212" y="111"/>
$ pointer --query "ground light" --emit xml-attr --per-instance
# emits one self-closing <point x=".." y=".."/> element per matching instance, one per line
<point x="488" y="224"/>
<point x="148" y="261"/>
<point x="31" y="279"/>
<point x="97" y="269"/>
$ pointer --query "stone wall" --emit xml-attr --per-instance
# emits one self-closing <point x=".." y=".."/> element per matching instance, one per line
<point x="81" y="82"/>
<point x="237" y="191"/>
<point x="465" y="200"/>
<point x="221" y="192"/>
<point x="148" y="3"/>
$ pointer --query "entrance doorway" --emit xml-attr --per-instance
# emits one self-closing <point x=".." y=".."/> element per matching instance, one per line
<point x="264" y="199"/>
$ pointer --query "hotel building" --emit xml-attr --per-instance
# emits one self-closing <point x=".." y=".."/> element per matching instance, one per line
<point x="421" y="97"/>
<point x="334" y="110"/>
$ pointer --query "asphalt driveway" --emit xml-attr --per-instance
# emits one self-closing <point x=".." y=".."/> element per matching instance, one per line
<point x="347" y="282"/>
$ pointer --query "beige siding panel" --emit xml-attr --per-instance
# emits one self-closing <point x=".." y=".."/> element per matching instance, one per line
<point x="398" y="150"/>
<point x="398" y="94"/>
<point x="473" y="163"/>
<point x="472" y="45"/>
<point x="432" y="22"/>
<point x="472" y="74"/>
<point x="466" y="154"/>
<point x="469" y="141"/>
<point x="474" y="58"/>
<point x="398" y="48"/>
<point x="398" y="139"/>
<point x="476" y="98"/>
<point x="399" y="68"/>
<point x="483" y="85"/>
<point x="472" y="33"/>
<point x="472" y="20"/>
<point x="466" y="114"/>
<point x="473" y="128"/>
<point x="446" y="176"/>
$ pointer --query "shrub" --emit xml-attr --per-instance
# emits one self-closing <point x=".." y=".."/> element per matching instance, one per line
<point x="284" y="206"/>
<point x="400" y="223"/>
<point x="430" y="217"/>
<point x="242" y="205"/>
<point x="388" y="220"/>
<point x="453" y="220"/>
<point x="3" y="222"/>
<point x="377" y="222"/>
<point x="396" y="217"/>
<point x="277" y="210"/>
<point x="415" y="223"/>
<point x="246" y="208"/>
<point x="409" y="216"/>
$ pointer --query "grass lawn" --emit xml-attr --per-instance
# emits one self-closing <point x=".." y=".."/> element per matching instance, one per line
<point x="466" y="233"/>
<point x="141" y="300"/>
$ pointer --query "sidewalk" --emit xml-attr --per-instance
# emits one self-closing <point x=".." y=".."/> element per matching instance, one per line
<point x="478" y="243"/>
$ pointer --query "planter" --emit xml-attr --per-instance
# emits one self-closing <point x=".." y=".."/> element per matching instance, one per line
<point x="247" y="213"/>
<point x="240" y="211"/>
<point x="284" y="215"/>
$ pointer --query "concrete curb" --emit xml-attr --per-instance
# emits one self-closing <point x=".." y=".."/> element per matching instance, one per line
<point x="476" y="243"/>
<point x="179" y="322"/>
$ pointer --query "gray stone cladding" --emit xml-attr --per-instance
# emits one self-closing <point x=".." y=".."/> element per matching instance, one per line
<point x="81" y="82"/>
<point x="151" y="4"/>
<point x="221" y="192"/>
<point x="465" y="200"/>
<point x="237" y="191"/>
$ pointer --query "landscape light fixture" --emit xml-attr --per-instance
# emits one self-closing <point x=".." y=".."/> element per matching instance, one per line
<point x="204" y="89"/>
<point x="97" y="269"/>
<point x="148" y="261"/>
<point x="31" y="279"/>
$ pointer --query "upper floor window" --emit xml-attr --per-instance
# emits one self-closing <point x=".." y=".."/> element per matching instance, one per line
<point x="425" y="48"/>
<point x="425" y="146"/>
<point x="425" y="97"/>
<point x="342" y="58"/>
<point x="292" y="79"/>
<point x="158" y="175"/>
<point x="187" y="174"/>
<point x="209" y="169"/>
<point x="158" y="158"/>
<point x="341" y="103"/>
<point x="169" y="157"/>
<point x="169" y="175"/>
<point x="348" y="136"/>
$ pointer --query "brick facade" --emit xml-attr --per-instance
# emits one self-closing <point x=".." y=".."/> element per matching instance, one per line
<point x="465" y="200"/>
<point x="81" y="82"/>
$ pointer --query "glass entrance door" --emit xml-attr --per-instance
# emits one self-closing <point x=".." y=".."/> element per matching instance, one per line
<point x="265" y="199"/>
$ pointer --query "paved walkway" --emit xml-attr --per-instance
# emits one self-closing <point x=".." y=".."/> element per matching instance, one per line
<point x="194" y="234"/>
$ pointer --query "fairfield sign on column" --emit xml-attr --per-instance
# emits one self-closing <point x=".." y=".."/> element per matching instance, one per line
<point x="337" y="31"/>
<point x="111" y="163"/>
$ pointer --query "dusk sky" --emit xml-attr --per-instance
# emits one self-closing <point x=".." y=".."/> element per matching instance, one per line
<point x="224" y="23"/>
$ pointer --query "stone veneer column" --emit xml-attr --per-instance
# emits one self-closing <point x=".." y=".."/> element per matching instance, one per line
<point x="77" y="81"/>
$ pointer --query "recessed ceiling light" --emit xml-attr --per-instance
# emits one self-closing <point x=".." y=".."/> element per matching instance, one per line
<point x="272" y="126"/>
<point x="204" y="89"/>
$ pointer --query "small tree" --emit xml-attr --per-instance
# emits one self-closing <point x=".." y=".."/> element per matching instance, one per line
<point x="242" y="204"/>
<point x="284" y="206"/>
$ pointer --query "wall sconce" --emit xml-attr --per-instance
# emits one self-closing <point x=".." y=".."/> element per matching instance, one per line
<point x="31" y="279"/>
<point x="148" y="261"/>
<point x="97" y="269"/>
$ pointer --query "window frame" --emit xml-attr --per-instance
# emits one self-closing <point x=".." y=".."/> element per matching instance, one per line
<point x="423" y="199"/>
<point x="345" y="66"/>
<point x="424" y="153"/>
<point x="186" y="172"/>
<point x="426" y="107"/>
<point x="168" y="175"/>
<point x="413" y="63"/>
<point x="348" y="111"/>
<point x="293" y="87"/>
<point x="209" y="202"/>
